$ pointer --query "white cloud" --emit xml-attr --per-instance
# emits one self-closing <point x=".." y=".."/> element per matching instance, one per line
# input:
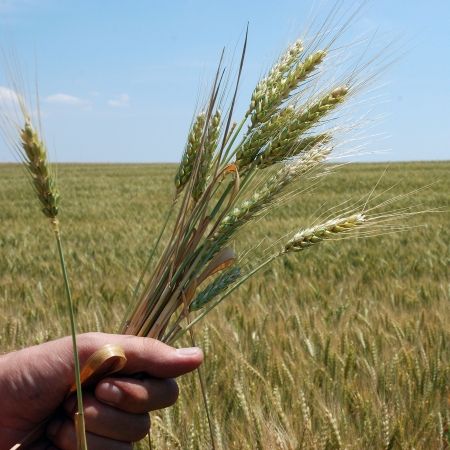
<point x="8" y="97"/>
<point x="119" y="101"/>
<point x="66" y="99"/>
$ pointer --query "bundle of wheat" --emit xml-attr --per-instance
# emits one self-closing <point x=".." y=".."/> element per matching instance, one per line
<point x="227" y="178"/>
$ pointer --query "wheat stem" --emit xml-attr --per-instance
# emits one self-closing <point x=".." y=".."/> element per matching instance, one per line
<point x="130" y="312"/>
<point x="82" y="435"/>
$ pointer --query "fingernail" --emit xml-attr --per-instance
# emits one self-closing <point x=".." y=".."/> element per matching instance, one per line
<point x="53" y="428"/>
<point x="109" y="393"/>
<point x="188" y="351"/>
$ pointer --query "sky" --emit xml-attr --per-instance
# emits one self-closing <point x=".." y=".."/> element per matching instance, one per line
<point x="119" y="81"/>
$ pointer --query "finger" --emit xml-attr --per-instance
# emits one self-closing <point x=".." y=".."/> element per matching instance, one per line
<point x="63" y="436"/>
<point x="144" y="354"/>
<point x="137" y="396"/>
<point x="107" y="421"/>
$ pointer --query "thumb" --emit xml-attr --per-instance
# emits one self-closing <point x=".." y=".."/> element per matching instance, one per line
<point x="144" y="354"/>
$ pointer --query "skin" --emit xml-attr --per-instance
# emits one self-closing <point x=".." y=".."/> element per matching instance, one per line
<point x="34" y="383"/>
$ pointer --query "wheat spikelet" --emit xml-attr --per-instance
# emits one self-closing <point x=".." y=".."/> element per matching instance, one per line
<point x="36" y="160"/>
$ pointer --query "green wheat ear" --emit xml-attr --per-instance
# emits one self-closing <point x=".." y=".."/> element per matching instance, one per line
<point x="36" y="161"/>
<point x="192" y="148"/>
<point x="219" y="285"/>
<point x="284" y="77"/>
<point x="209" y="145"/>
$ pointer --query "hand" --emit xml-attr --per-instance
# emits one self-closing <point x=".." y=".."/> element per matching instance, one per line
<point x="34" y="383"/>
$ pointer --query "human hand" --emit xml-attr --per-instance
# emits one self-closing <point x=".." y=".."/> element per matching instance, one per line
<point x="34" y="383"/>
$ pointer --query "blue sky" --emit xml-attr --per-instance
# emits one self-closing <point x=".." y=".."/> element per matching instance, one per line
<point x="119" y="81"/>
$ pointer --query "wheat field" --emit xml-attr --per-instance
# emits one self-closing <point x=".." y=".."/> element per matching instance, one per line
<point x="346" y="345"/>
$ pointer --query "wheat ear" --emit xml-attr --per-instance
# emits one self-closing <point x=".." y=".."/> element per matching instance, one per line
<point x="259" y="137"/>
<point x="284" y="77"/>
<point x="264" y="196"/>
<point x="328" y="230"/>
<point x="192" y="148"/>
<point x="209" y="145"/>
<point x="35" y="158"/>
<point x="279" y="138"/>
<point x="219" y="285"/>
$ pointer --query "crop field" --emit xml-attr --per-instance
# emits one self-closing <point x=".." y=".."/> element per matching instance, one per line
<point x="345" y="345"/>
